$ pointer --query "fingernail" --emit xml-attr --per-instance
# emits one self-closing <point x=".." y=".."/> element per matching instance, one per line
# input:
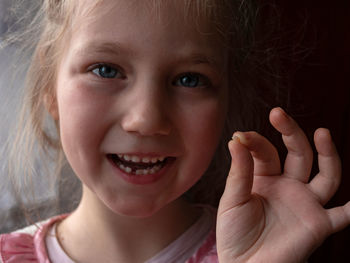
<point x="283" y="112"/>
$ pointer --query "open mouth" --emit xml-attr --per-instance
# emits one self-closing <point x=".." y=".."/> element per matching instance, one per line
<point x="135" y="165"/>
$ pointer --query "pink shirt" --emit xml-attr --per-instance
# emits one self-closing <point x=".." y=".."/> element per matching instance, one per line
<point x="36" y="244"/>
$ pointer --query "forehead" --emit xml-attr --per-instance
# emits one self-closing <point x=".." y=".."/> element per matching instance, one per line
<point x="187" y="11"/>
<point x="167" y="23"/>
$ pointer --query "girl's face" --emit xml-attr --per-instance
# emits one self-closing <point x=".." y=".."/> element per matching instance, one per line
<point x="141" y="103"/>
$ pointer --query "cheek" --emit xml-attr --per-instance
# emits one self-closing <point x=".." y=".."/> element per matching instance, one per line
<point x="201" y="130"/>
<point x="82" y="125"/>
<point x="204" y="129"/>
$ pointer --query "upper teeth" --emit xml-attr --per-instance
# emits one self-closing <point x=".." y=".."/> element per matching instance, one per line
<point x="137" y="159"/>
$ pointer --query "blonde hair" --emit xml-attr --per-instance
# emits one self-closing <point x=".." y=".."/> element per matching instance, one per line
<point x="233" y="21"/>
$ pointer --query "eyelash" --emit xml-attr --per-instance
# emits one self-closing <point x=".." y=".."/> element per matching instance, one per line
<point x="96" y="70"/>
<point x="201" y="80"/>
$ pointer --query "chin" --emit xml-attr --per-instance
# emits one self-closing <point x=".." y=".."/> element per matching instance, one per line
<point x="135" y="209"/>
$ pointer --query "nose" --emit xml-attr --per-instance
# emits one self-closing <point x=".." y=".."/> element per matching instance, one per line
<point x="146" y="112"/>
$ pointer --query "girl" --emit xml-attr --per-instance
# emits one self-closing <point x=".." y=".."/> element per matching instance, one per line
<point x="140" y="92"/>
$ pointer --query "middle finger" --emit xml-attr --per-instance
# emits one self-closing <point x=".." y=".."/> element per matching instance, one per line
<point x="298" y="162"/>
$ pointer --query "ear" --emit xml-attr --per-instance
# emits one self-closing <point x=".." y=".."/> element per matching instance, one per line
<point x="51" y="106"/>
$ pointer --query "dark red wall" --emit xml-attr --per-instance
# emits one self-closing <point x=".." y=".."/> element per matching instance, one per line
<point x="316" y="37"/>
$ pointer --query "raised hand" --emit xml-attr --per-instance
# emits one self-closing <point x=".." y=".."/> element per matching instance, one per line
<point x="269" y="215"/>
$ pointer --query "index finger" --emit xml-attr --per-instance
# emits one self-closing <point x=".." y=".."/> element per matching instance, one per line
<point x="265" y="155"/>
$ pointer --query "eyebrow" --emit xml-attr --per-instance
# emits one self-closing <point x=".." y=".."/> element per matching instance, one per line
<point x="200" y="58"/>
<point x="116" y="48"/>
<point x="104" y="47"/>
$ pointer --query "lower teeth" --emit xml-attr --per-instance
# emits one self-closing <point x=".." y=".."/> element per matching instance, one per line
<point x="137" y="169"/>
<point x="147" y="171"/>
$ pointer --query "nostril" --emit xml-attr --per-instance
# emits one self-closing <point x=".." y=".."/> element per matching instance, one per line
<point x="146" y="111"/>
<point x="146" y="126"/>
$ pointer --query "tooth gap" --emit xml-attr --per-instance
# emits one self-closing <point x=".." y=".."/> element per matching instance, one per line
<point x="137" y="166"/>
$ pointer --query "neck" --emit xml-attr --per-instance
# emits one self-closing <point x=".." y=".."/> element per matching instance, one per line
<point x="94" y="233"/>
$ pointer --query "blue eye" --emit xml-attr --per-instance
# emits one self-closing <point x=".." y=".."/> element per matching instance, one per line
<point x="105" y="71"/>
<point x="191" y="80"/>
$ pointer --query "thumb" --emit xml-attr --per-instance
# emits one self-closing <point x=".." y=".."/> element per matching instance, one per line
<point x="239" y="181"/>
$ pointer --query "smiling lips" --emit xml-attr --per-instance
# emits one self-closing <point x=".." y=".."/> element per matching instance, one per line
<point x="135" y="165"/>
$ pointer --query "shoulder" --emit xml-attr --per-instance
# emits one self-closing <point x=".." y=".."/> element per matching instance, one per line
<point x="27" y="244"/>
<point x="207" y="252"/>
<point x="31" y="230"/>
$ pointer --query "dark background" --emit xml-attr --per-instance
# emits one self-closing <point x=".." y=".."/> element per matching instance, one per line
<point x="314" y="42"/>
